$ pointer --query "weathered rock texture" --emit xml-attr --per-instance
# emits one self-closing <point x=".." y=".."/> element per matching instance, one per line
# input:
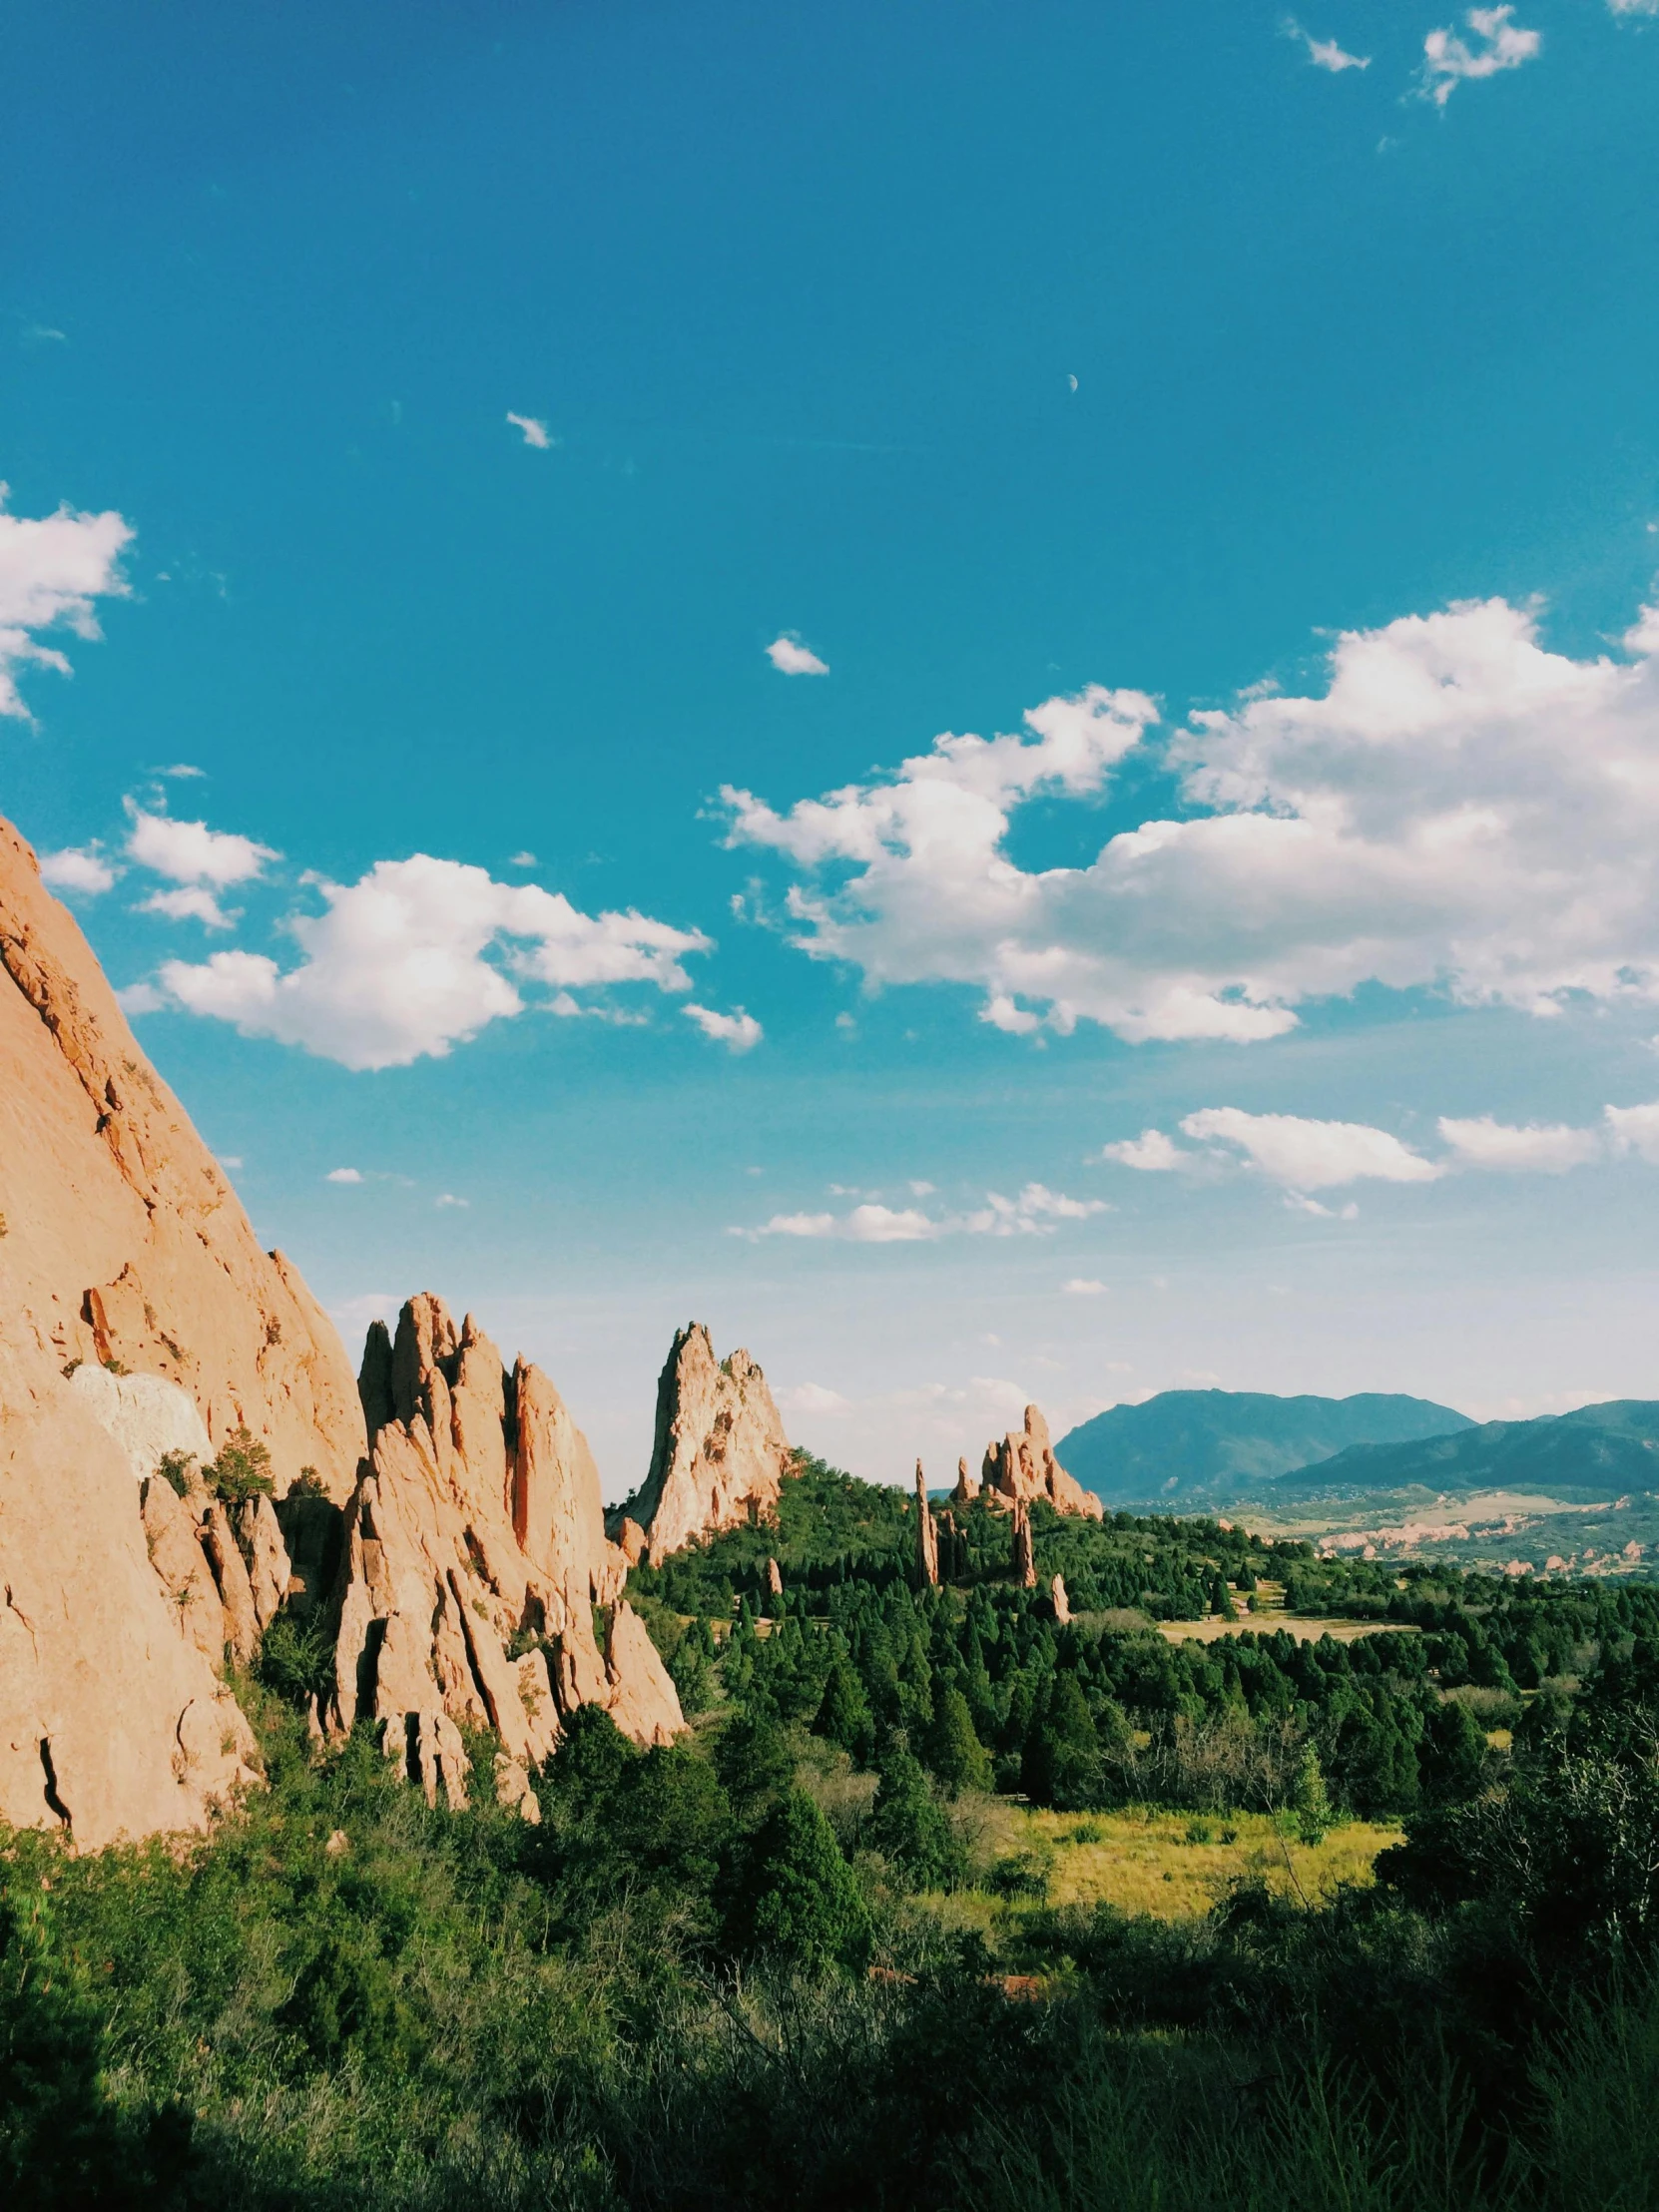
<point x="477" y="1526"/>
<point x="927" y="1543"/>
<point x="1023" y="1466"/>
<point x="122" y="1247"/>
<point x="1023" y="1564"/>
<point x="1060" y="1599"/>
<point x="721" y="1454"/>
<point x="967" y="1485"/>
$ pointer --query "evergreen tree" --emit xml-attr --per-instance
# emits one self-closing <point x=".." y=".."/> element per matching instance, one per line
<point x="845" y="1717"/>
<point x="910" y="1828"/>
<point x="955" y="1752"/>
<point x="802" y="1901"/>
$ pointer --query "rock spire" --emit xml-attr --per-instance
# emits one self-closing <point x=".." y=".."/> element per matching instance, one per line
<point x="927" y="1541"/>
<point x="475" y="1555"/>
<point x="1023" y="1466"/>
<point x="1024" y="1562"/>
<point x="720" y="1456"/>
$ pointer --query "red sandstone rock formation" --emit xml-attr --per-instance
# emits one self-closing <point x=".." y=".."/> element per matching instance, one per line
<point x="138" y="1315"/>
<point x="927" y="1543"/>
<point x="1023" y="1465"/>
<point x="1024" y="1562"/>
<point x="721" y="1454"/>
<point x="476" y="1525"/>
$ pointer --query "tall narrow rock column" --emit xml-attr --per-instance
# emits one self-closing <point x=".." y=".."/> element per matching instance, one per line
<point x="1024" y="1559"/>
<point x="927" y="1538"/>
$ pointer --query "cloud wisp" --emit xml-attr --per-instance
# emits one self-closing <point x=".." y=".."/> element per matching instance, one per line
<point x="1462" y="810"/>
<point x="1303" y="1155"/>
<point x="1324" y="53"/>
<point x="737" y="1031"/>
<point x="52" y="570"/>
<point x="421" y="954"/>
<point x="534" y="431"/>
<point x="1450" y="61"/>
<point x="1036" y="1212"/>
<point x="791" y="658"/>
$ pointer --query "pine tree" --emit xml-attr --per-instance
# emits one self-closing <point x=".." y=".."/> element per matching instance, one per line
<point x="804" y="1904"/>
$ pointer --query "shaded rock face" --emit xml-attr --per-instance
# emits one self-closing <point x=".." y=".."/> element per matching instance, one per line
<point x="123" y="1248"/>
<point x="721" y="1454"/>
<point x="474" y="1556"/>
<point x="1023" y="1466"/>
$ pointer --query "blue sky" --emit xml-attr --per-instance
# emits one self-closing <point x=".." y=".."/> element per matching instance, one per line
<point x="1276" y="399"/>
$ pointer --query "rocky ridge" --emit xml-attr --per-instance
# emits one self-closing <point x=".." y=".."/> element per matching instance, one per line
<point x="138" y="1314"/>
<point x="720" y="1456"/>
<point x="474" y="1556"/>
<point x="1023" y="1466"/>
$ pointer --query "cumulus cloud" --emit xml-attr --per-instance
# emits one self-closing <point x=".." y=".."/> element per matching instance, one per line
<point x="422" y="955"/>
<point x="1448" y="60"/>
<point x="535" y="432"/>
<point x="1635" y="1129"/>
<point x="1152" y="1152"/>
<point x="190" y="902"/>
<point x="190" y="853"/>
<point x="1325" y="53"/>
<point x="791" y="658"/>
<point x="52" y="570"/>
<point x="343" y="1175"/>
<point x="1312" y="1155"/>
<point x="813" y="1397"/>
<point x="1462" y="810"/>
<point x="1038" y="1211"/>
<point x="739" y="1032"/>
<point x="1537" y="1149"/>
<point x="77" y="869"/>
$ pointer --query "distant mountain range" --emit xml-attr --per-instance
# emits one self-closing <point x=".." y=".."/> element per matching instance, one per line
<point x="1599" y="1451"/>
<point x="1188" y="1449"/>
<point x="1197" y="1450"/>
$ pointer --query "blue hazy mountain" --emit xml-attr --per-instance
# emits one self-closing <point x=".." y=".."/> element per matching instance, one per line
<point x="1596" y="1452"/>
<point x="1189" y="1448"/>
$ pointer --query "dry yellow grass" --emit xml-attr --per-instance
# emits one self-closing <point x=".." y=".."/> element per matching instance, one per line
<point x="1143" y="1862"/>
<point x="1305" y="1630"/>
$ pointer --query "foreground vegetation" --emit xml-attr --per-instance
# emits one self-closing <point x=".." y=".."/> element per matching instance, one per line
<point x="853" y="1941"/>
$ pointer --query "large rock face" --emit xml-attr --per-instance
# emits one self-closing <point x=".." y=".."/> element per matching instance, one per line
<point x="1023" y="1466"/>
<point x="121" y="1248"/>
<point x="721" y="1454"/>
<point x="123" y="1243"/>
<point x="475" y="1556"/>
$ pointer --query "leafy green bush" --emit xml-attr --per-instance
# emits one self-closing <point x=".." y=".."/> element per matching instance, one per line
<point x="242" y="1470"/>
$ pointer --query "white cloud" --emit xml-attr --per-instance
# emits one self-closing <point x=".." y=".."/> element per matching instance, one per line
<point x="77" y="869"/>
<point x="190" y="902"/>
<point x="448" y="1198"/>
<point x="1083" y="1285"/>
<point x="139" y="999"/>
<point x="1038" y="1211"/>
<point x="522" y="859"/>
<point x="813" y="1397"/>
<point x="922" y="1190"/>
<point x="1619" y="7"/>
<point x="190" y="853"/>
<point x="343" y="1175"/>
<point x="535" y="432"/>
<point x="1448" y="60"/>
<point x="1635" y="1129"/>
<point x="1151" y="1151"/>
<point x="1325" y="53"/>
<point x="1298" y="1203"/>
<point x="421" y="954"/>
<point x="182" y="770"/>
<point x="739" y="1031"/>
<point x="791" y="658"/>
<point x="1538" y="1149"/>
<point x="1462" y="810"/>
<point x="1312" y="1155"/>
<point x="52" y="569"/>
